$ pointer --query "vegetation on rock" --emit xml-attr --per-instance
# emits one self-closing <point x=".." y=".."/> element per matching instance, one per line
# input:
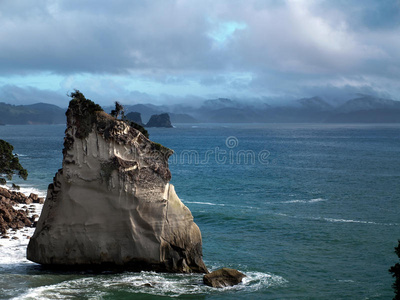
<point x="395" y="270"/>
<point x="138" y="127"/>
<point x="119" y="110"/>
<point x="85" y="111"/>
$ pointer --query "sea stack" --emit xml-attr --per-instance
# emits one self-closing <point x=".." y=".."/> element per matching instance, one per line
<point x="162" y="120"/>
<point x="111" y="204"/>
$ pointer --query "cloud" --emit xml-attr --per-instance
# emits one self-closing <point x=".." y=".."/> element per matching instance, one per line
<point x="252" y="48"/>
<point x="30" y="95"/>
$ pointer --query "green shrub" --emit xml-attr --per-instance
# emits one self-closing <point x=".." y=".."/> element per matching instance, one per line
<point x="9" y="163"/>
<point x="395" y="270"/>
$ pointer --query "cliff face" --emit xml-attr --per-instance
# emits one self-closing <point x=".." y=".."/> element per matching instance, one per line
<point x="111" y="204"/>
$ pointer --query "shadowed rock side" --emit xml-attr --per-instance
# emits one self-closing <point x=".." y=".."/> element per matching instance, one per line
<point x="135" y="117"/>
<point x="111" y="205"/>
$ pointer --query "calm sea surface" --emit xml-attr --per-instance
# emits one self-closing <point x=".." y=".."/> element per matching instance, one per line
<point x="305" y="211"/>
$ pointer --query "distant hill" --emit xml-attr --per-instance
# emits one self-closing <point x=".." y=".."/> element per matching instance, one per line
<point x="147" y="110"/>
<point x="362" y="109"/>
<point x="39" y="113"/>
<point x="315" y="104"/>
<point x="182" y="118"/>
<point x="368" y="103"/>
<point x="367" y="109"/>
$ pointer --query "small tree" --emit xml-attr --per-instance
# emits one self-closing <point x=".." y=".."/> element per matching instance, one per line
<point x="119" y="109"/>
<point x="9" y="163"/>
<point x="395" y="270"/>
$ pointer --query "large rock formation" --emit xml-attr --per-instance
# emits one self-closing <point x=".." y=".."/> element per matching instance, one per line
<point x="161" y="120"/>
<point x="111" y="204"/>
<point x="135" y="117"/>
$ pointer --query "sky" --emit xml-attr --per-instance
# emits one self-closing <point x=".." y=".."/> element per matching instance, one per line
<point x="187" y="51"/>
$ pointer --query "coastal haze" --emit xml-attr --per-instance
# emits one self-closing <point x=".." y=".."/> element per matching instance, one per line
<point x="283" y="118"/>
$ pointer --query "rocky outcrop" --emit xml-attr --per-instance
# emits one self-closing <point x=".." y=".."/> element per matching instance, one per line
<point x="17" y="197"/>
<point x="162" y="120"/>
<point x="135" y="117"/>
<point x="223" y="278"/>
<point x="12" y="218"/>
<point x="111" y="204"/>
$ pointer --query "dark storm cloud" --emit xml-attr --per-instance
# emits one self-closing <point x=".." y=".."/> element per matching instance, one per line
<point x="260" y="47"/>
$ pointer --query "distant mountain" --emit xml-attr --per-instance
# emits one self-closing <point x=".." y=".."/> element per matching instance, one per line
<point x="182" y="118"/>
<point x="367" y="109"/>
<point x="315" y="103"/>
<point x="176" y="113"/>
<point x="146" y="110"/>
<point x="363" y="109"/>
<point x="233" y="115"/>
<point x="39" y="113"/>
<point x="368" y="103"/>
<point x="218" y="103"/>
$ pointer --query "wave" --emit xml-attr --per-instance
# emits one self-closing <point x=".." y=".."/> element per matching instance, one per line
<point x="358" y="221"/>
<point x="204" y="203"/>
<point x="13" y="258"/>
<point x="336" y="220"/>
<point x="219" y="204"/>
<point x="306" y="201"/>
<point x="13" y="251"/>
<point x="157" y="284"/>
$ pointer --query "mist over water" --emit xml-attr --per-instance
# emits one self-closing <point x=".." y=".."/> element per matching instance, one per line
<point x="316" y="217"/>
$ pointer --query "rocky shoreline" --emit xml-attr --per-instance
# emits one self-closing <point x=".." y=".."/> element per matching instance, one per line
<point x="17" y="211"/>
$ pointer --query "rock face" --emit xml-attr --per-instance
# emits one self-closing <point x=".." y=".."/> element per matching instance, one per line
<point x="223" y="277"/>
<point x="161" y="120"/>
<point x="135" y="117"/>
<point x="111" y="204"/>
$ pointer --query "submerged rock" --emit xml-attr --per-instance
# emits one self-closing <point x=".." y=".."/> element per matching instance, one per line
<point x="111" y="204"/>
<point x="162" y="120"/>
<point x="223" y="277"/>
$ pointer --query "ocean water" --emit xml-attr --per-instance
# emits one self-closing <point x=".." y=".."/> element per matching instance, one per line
<point x="305" y="211"/>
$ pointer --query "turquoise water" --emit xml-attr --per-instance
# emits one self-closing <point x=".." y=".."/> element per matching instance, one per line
<point x="306" y="211"/>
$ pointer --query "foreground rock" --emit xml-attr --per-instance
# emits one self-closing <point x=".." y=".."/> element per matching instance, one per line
<point x="162" y="120"/>
<point x="111" y="205"/>
<point x="11" y="218"/>
<point x="17" y="197"/>
<point x="223" y="277"/>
